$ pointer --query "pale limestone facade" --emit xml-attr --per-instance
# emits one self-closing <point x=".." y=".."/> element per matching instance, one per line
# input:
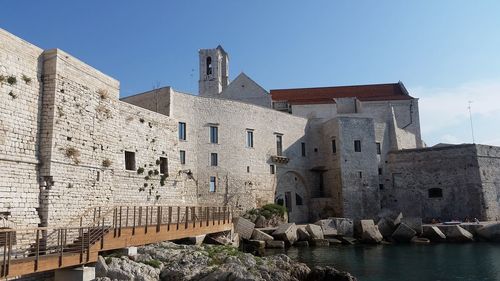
<point x="65" y="137"/>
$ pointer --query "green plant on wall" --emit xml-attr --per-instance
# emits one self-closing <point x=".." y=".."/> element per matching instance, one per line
<point x="106" y="163"/>
<point x="140" y="170"/>
<point x="12" y="95"/>
<point x="73" y="153"/>
<point x="12" y="80"/>
<point x="2" y="79"/>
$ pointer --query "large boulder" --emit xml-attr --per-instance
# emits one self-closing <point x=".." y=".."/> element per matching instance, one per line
<point x="403" y="233"/>
<point x="386" y="227"/>
<point x="260" y="235"/>
<point x="415" y="223"/>
<point x="433" y="233"/>
<point x="260" y="222"/>
<point x="243" y="227"/>
<point x="286" y="232"/>
<point x="315" y="231"/>
<point x="455" y="233"/>
<point x="370" y="233"/>
<point x="490" y="232"/>
<point x="329" y="273"/>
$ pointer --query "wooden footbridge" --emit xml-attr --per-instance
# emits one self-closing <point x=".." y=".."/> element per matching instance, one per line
<point x="42" y="249"/>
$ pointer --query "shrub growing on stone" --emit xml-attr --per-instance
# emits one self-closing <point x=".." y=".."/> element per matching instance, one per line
<point x="26" y="79"/>
<point x="12" y="80"/>
<point x="140" y="170"/>
<point x="106" y="163"/>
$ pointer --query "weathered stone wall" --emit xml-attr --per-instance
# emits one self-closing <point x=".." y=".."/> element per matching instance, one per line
<point x="19" y="129"/>
<point x="488" y="158"/>
<point x="86" y="137"/>
<point x="467" y="175"/>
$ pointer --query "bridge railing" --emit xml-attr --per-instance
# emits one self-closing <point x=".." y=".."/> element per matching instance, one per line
<point x="79" y="240"/>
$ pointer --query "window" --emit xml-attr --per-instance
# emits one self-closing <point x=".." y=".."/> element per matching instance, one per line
<point x="183" y="157"/>
<point x="379" y="171"/>
<point x="249" y="138"/>
<point x="279" y="145"/>
<point x="334" y="146"/>
<point x="129" y="161"/>
<point x="435" y="193"/>
<point x="214" y="134"/>
<point x="288" y="201"/>
<point x="213" y="159"/>
<point x="379" y="150"/>
<point x="163" y="166"/>
<point x="209" y="65"/>
<point x="303" y="146"/>
<point x="357" y="146"/>
<point x="182" y="131"/>
<point x="381" y="186"/>
<point x="213" y="184"/>
<point x="248" y="169"/>
<point x="272" y="169"/>
<point x="298" y="200"/>
<point x="360" y="174"/>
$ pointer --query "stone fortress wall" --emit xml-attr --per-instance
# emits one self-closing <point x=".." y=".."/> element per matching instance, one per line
<point x="67" y="144"/>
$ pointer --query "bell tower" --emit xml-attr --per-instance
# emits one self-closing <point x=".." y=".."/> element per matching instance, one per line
<point x="214" y="71"/>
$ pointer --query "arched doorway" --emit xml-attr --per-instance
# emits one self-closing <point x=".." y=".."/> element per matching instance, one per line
<point x="291" y="192"/>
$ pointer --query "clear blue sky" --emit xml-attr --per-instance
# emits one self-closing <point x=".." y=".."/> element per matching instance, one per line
<point x="439" y="49"/>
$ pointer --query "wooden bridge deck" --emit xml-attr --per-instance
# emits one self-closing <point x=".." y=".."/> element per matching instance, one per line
<point x="120" y="232"/>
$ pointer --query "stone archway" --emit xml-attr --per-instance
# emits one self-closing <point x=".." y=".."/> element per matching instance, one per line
<point x="291" y="192"/>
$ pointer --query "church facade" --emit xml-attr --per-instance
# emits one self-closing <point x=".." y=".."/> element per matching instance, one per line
<point x="68" y="144"/>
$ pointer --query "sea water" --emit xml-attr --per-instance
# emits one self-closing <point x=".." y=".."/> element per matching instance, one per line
<point x="439" y="262"/>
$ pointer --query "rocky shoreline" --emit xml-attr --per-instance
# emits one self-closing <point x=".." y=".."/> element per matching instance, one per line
<point x="168" y="261"/>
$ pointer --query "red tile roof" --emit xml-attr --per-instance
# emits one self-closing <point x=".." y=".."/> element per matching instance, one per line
<point x="376" y="92"/>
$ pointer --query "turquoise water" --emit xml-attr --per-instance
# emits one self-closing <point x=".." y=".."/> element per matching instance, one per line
<point x="440" y="262"/>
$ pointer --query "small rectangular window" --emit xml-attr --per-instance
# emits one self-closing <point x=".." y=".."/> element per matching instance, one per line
<point x="248" y="169"/>
<point x="182" y="131"/>
<point x="183" y="157"/>
<point x="214" y="161"/>
<point x="129" y="160"/>
<point x="272" y="169"/>
<point x="213" y="184"/>
<point x="360" y="174"/>
<point x="214" y="134"/>
<point x="249" y="138"/>
<point x="334" y="146"/>
<point x="163" y="166"/>
<point x="379" y="171"/>
<point x="357" y="146"/>
<point x="381" y="186"/>
<point x="303" y="147"/>
<point x="279" y="145"/>
<point x="379" y="150"/>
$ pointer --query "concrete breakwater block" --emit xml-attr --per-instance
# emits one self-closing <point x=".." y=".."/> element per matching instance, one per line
<point x="320" y="242"/>
<point x="347" y="240"/>
<point x="243" y="227"/>
<point x="386" y="227"/>
<point x="433" y="233"/>
<point x="420" y="240"/>
<point x="455" y="233"/>
<point x="334" y="241"/>
<point x="275" y="244"/>
<point x="260" y="235"/>
<point x="370" y="233"/>
<point x="301" y="244"/>
<point x="286" y="232"/>
<point x="303" y="235"/>
<point x="336" y="226"/>
<point x="403" y="233"/>
<point x="414" y="223"/>
<point x="490" y="232"/>
<point x="315" y="231"/>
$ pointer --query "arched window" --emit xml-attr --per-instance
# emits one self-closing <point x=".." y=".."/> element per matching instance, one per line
<point x="209" y="65"/>
<point x="435" y="192"/>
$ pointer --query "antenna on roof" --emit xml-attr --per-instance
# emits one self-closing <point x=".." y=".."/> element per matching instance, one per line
<point x="471" y="124"/>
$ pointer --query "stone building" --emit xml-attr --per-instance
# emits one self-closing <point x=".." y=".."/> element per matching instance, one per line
<point x="68" y="143"/>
